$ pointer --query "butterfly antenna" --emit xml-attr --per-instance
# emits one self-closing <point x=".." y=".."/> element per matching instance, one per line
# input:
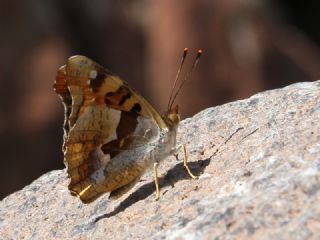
<point x="183" y="58"/>
<point x="187" y="76"/>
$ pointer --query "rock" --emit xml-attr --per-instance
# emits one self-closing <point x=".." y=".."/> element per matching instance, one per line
<point x="259" y="166"/>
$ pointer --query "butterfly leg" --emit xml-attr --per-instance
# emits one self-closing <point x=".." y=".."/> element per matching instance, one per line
<point x="155" y="175"/>
<point x="185" y="160"/>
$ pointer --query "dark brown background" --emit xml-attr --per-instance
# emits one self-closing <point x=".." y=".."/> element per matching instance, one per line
<point x="249" y="46"/>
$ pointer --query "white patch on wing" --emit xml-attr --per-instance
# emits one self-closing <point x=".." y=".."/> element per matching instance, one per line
<point x="93" y="74"/>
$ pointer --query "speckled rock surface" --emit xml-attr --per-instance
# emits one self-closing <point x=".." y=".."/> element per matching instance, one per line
<point x="259" y="166"/>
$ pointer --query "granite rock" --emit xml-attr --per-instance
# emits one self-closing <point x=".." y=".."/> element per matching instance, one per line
<point x="259" y="165"/>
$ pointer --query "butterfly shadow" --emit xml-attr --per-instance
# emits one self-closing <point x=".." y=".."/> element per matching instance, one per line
<point x="177" y="173"/>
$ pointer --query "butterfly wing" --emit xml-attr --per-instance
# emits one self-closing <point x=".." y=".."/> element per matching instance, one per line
<point x="104" y="118"/>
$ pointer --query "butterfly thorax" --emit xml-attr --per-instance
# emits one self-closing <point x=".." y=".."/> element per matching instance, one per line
<point x="172" y="120"/>
<point x="166" y="144"/>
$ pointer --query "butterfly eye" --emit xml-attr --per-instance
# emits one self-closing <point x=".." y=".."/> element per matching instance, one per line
<point x="174" y="117"/>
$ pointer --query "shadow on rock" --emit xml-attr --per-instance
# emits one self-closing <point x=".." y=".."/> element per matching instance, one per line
<point x="173" y="175"/>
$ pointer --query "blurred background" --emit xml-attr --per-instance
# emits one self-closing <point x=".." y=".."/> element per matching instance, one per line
<point x="249" y="46"/>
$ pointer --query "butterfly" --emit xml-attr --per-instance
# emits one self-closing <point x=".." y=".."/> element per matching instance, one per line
<point x="111" y="133"/>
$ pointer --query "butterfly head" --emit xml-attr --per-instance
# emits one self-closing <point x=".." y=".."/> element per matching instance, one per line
<point x="172" y="117"/>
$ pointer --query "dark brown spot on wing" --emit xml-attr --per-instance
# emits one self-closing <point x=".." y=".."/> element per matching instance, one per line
<point x="124" y="98"/>
<point x="118" y="98"/>
<point x="127" y="125"/>
<point x="136" y="108"/>
<point x="97" y="82"/>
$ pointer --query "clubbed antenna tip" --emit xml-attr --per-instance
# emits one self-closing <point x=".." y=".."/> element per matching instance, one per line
<point x="199" y="53"/>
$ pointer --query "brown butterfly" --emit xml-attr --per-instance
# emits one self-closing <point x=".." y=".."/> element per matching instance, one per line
<point x="111" y="133"/>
